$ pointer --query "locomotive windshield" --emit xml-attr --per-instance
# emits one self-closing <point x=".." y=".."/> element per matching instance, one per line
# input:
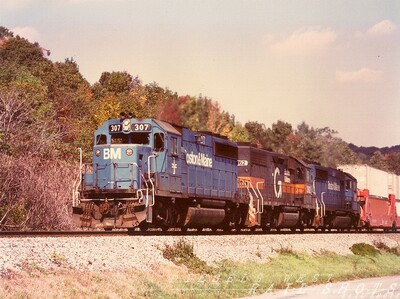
<point x="101" y="139"/>
<point x="132" y="138"/>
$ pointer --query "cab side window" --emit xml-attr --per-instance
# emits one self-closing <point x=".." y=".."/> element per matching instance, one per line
<point x="300" y="174"/>
<point x="174" y="146"/>
<point x="349" y="185"/>
<point x="159" y="142"/>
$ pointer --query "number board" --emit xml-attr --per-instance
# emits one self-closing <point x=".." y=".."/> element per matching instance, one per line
<point x="142" y="127"/>
<point x="115" y="128"/>
<point x="243" y="162"/>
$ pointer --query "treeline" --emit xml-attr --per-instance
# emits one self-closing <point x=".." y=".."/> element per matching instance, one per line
<point x="48" y="110"/>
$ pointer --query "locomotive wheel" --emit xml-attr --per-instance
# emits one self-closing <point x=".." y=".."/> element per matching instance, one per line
<point x="143" y="226"/>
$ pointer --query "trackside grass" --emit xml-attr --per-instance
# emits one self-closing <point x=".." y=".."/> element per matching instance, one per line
<point x="195" y="279"/>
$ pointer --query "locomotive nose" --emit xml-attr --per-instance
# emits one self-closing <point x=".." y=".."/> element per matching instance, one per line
<point x="120" y="167"/>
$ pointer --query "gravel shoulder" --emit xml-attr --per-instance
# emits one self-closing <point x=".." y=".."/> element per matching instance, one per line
<point x="143" y="252"/>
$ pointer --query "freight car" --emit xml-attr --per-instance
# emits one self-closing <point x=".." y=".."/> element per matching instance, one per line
<point x="378" y="197"/>
<point x="147" y="172"/>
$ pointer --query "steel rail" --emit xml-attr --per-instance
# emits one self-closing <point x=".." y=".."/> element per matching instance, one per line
<point x="175" y="232"/>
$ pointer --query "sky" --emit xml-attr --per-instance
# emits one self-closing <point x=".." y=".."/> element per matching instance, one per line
<point x="329" y="63"/>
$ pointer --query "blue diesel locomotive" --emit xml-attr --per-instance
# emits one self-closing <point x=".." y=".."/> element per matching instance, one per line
<point x="147" y="172"/>
<point x="336" y="198"/>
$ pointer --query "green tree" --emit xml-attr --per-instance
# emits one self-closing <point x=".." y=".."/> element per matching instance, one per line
<point x="114" y="82"/>
<point x="27" y="118"/>
<point x="5" y="33"/>
<point x="278" y="137"/>
<point x="239" y="133"/>
<point x="378" y="161"/>
<point x="257" y="133"/>
<point x="189" y="113"/>
<point x="309" y="147"/>
<point x="18" y="53"/>
<point x="321" y="146"/>
<point x="71" y="97"/>
<point x="107" y="108"/>
<point x="393" y="162"/>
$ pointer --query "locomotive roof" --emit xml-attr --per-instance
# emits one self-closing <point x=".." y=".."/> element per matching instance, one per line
<point x="167" y="127"/>
<point x="254" y="147"/>
<point x="351" y="176"/>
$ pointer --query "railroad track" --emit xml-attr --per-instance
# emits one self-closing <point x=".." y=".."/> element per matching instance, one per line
<point x="177" y="232"/>
<point x="20" y="234"/>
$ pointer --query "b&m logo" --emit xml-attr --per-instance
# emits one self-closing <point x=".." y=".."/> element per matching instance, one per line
<point x="199" y="159"/>
<point x="112" y="153"/>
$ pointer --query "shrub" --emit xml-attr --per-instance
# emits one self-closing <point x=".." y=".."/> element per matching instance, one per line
<point x="364" y="249"/>
<point x="35" y="193"/>
<point x="382" y="246"/>
<point x="286" y="251"/>
<point x="181" y="253"/>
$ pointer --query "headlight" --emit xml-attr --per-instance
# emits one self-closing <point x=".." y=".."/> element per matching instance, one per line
<point x="126" y="125"/>
<point x="129" y="152"/>
<point x="97" y="153"/>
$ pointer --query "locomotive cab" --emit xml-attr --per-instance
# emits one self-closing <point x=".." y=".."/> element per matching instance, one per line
<point x="117" y="189"/>
<point x="336" y="197"/>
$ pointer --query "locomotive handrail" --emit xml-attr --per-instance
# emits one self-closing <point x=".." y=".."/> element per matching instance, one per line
<point x="114" y="199"/>
<point x="323" y="204"/>
<point x="151" y="182"/>
<point x="255" y="193"/>
<point x="262" y="198"/>
<point x="317" y="206"/>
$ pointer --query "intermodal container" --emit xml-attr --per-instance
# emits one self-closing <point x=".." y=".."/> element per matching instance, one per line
<point x="379" y="183"/>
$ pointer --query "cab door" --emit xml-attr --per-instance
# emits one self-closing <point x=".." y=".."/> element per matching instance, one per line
<point x="174" y="164"/>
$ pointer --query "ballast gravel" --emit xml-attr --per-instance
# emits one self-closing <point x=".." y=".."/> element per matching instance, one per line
<point x="145" y="252"/>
